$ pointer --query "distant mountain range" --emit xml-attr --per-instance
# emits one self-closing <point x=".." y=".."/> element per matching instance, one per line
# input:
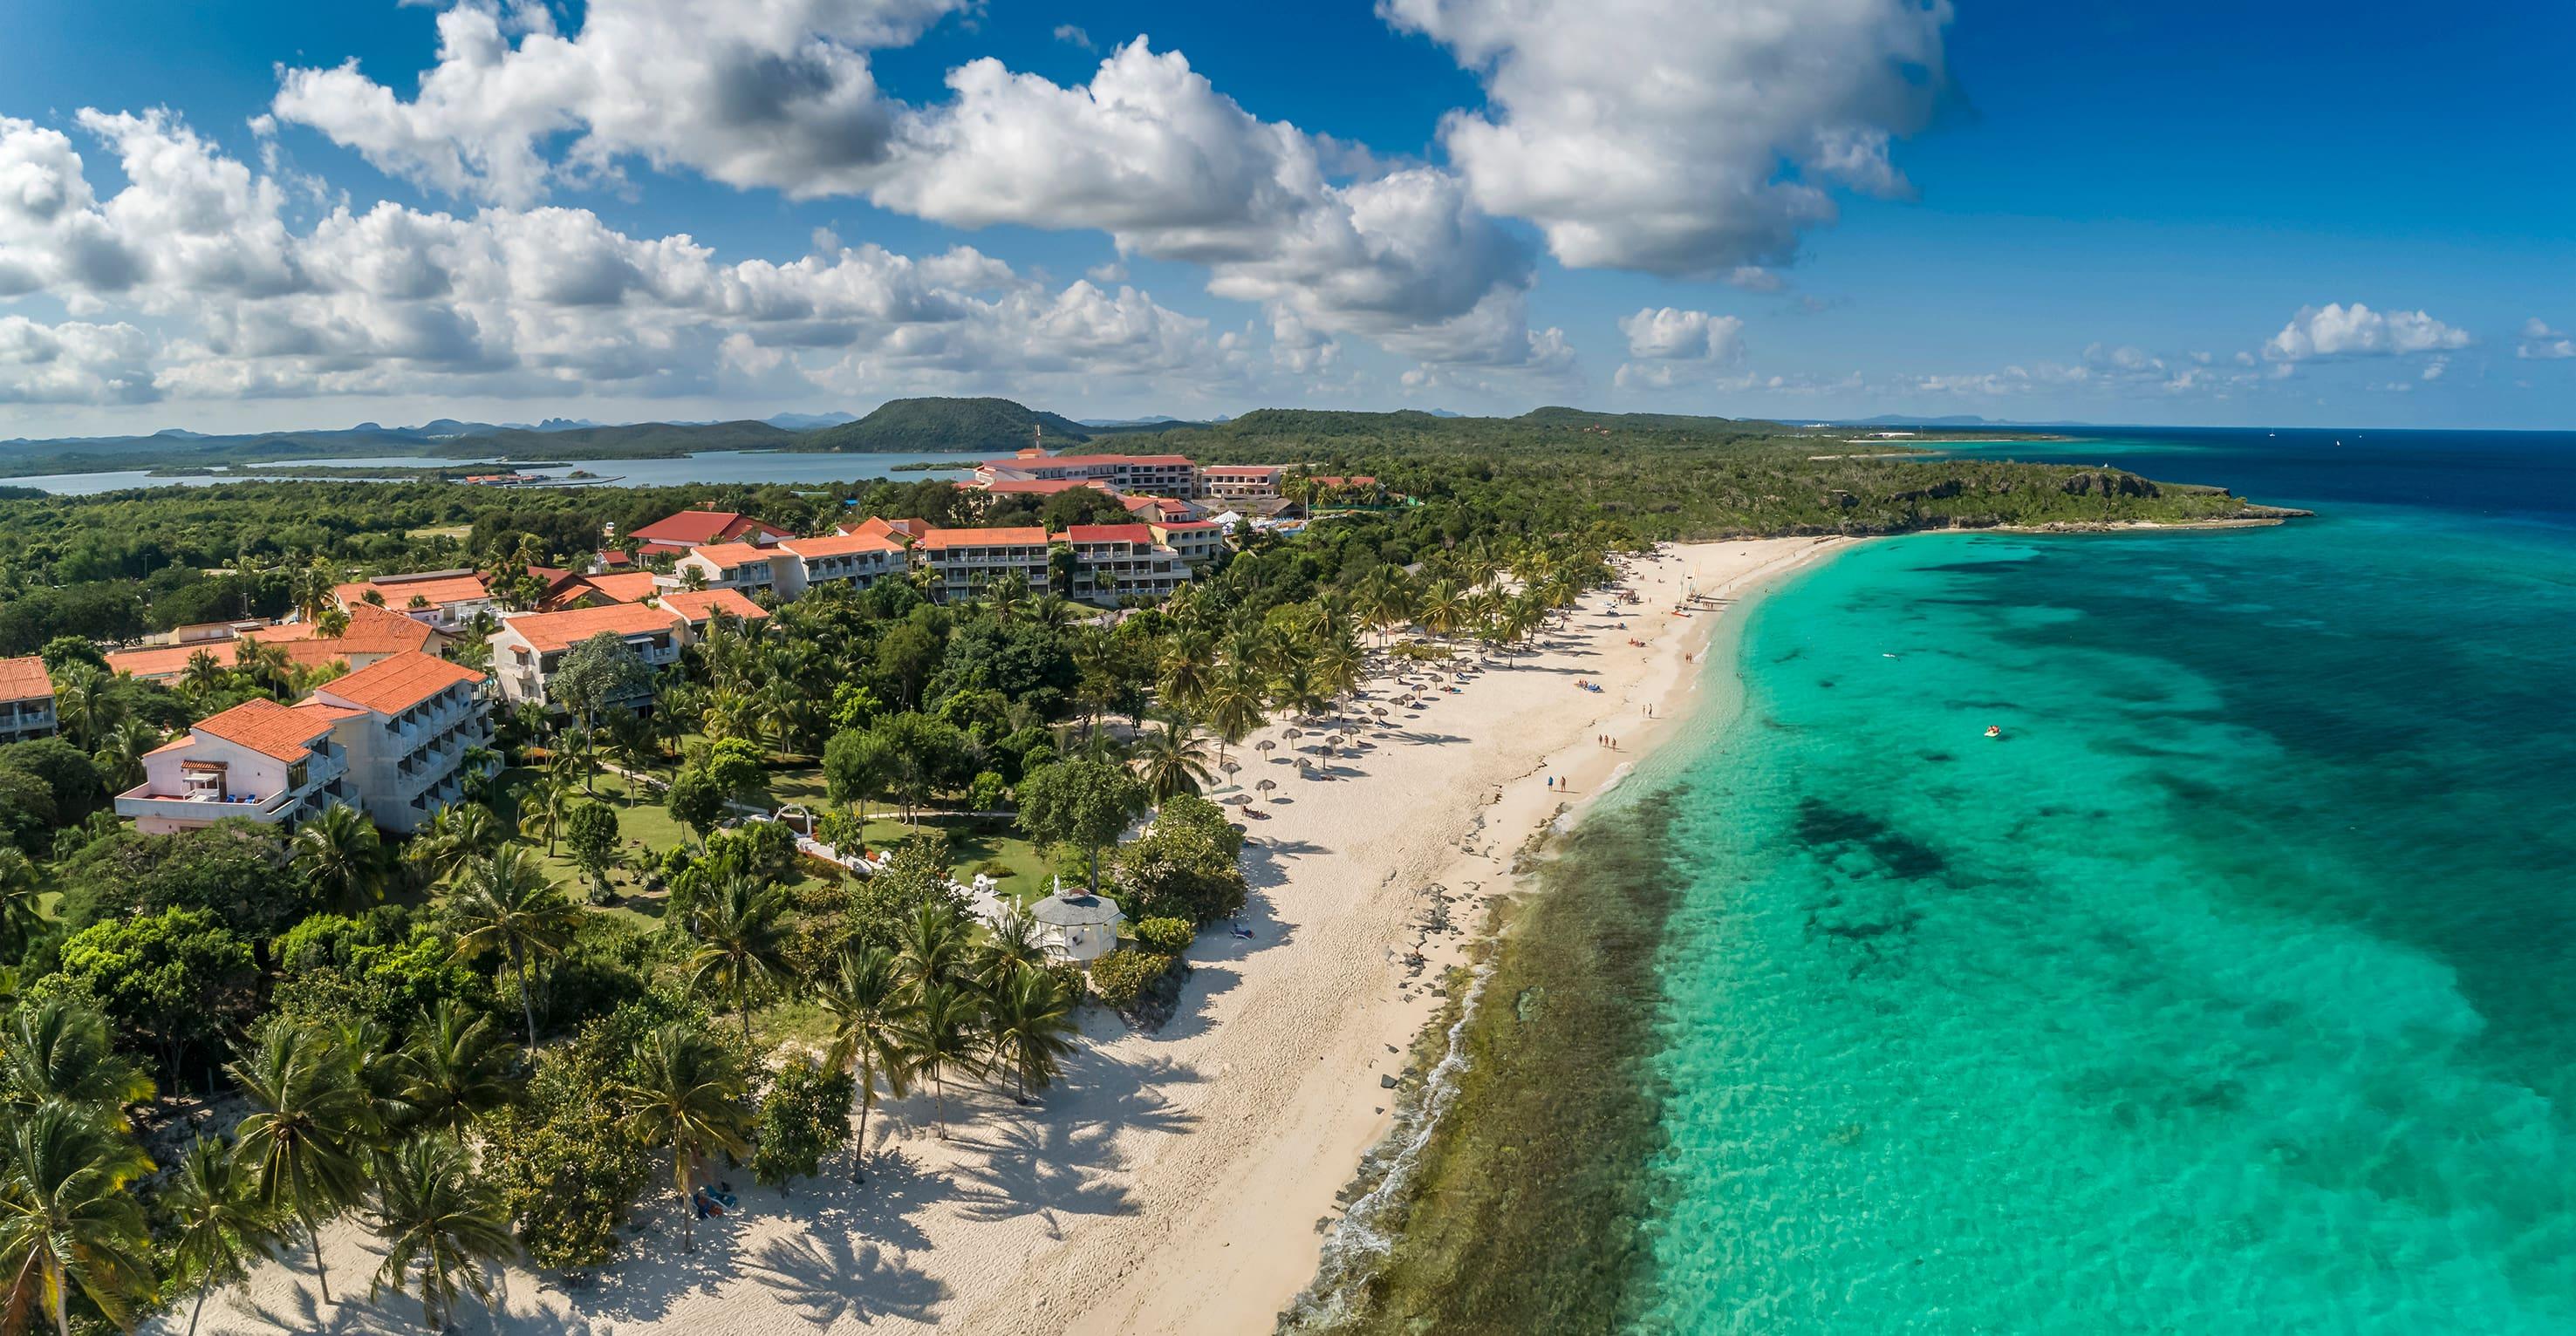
<point x="980" y="426"/>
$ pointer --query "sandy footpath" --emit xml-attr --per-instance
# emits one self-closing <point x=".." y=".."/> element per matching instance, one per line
<point x="1178" y="1181"/>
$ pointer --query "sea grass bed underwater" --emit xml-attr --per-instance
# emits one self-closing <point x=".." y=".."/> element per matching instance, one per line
<point x="1521" y="1212"/>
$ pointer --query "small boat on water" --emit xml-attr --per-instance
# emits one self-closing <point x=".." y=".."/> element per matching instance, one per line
<point x="1994" y="731"/>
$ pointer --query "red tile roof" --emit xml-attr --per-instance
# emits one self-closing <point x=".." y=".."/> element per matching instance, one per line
<point x="700" y="604"/>
<point x="166" y="660"/>
<point x="623" y="587"/>
<point x="271" y="729"/>
<point x="397" y="591"/>
<point x="397" y="682"/>
<point x="935" y="539"/>
<point x="1109" y="533"/>
<point x="547" y="632"/>
<point x="735" y="554"/>
<point x="705" y="526"/>
<point x="841" y="545"/>
<point x="24" y="679"/>
<point x="901" y="531"/>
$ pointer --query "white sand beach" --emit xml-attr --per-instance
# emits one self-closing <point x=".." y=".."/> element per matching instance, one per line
<point x="1175" y="1181"/>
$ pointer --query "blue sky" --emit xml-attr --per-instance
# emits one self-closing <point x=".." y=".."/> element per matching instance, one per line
<point x="305" y="214"/>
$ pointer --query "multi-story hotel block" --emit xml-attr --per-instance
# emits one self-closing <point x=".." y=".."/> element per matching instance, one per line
<point x="446" y="600"/>
<point x="26" y="699"/>
<point x="1195" y="542"/>
<point x="740" y="566"/>
<point x="1164" y="475"/>
<point x="529" y="647"/>
<point x="270" y="763"/>
<point x="964" y="562"/>
<point x="1112" y="562"/>
<point x="390" y="740"/>
<point x="1241" y="482"/>
<point x="854" y="560"/>
<point x="418" y="717"/>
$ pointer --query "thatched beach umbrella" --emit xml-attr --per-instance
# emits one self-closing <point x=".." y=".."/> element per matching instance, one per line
<point x="1267" y="785"/>
<point x="1265" y="747"/>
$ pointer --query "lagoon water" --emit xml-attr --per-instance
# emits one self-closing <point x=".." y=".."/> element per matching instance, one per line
<point x="741" y="466"/>
<point x="2233" y="989"/>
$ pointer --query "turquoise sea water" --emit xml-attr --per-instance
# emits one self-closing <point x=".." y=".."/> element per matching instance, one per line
<point x="2232" y="990"/>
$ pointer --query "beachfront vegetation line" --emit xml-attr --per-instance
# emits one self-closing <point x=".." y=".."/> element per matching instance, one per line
<point x="717" y="899"/>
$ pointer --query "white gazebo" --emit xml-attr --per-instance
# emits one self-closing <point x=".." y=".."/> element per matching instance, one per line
<point x="1076" y="926"/>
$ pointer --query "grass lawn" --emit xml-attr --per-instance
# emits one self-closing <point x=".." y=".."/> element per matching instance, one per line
<point x="1026" y="872"/>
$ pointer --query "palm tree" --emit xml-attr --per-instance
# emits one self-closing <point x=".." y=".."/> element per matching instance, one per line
<point x="937" y="1034"/>
<point x="204" y="674"/>
<point x="1233" y="706"/>
<point x="742" y="945"/>
<point x="862" y="994"/>
<point x="59" y="1052"/>
<point x="1030" y="1027"/>
<point x="455" y="1070"/>
<point x="437" y="1217"/>
<point x="1185" y="671"/>
<point x="341" y="855"/>
<point x="219" y="1228"/>
<point x="21" y="901"/>
<point x="304" y="1141"/>
<point x="453" y="836"/>
<point x="1012" y="942"/>
<point x="545" y="807"/>
<point x="1171" y="761"/>
<point x="507" y="905"/>
<point x="933" y="947"/>
<point x="686" y="1095"/>
<point x="68" y="1219"/>
<point x="119" y="757"/>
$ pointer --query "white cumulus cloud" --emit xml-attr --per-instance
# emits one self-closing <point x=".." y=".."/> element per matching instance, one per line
<point x="1692" y="139"/>
<point x="2540" y="342"/>
<point x="1668" y="347"/>
<point x="2337" y="330"/>
<point x="505" y="302"/>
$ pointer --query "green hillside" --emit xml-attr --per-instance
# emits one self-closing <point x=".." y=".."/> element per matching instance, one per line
<point x="981" y="426"/>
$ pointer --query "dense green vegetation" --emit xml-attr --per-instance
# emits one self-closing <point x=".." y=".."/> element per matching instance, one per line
<point x="573" y="992"/>
<point x="983" y="426"/>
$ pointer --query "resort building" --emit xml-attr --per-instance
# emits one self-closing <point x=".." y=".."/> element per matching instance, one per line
<point x="413" y="720"/>
<point x="529" y="647"/>
<point x="962" y="562"/>
<point x="1165" y="475"/>
<point x="372" y="634"/>
<point x="26" y="699"/>
<point x="693" y="529"/>
<point x="1195" y="542"/>
<point x="700" y="606"/>
<point x="1112" y="562"/>
<point x="271" y="763"/>
<point x="903" y="532"/>
<point x="446" y="600"/>
<point x="753" y="570"/>
<point x="1162" y="509"/>
<point x="1235" y="484"/>
<point x="853" y="560"/>
<point x="570" y="590"/>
